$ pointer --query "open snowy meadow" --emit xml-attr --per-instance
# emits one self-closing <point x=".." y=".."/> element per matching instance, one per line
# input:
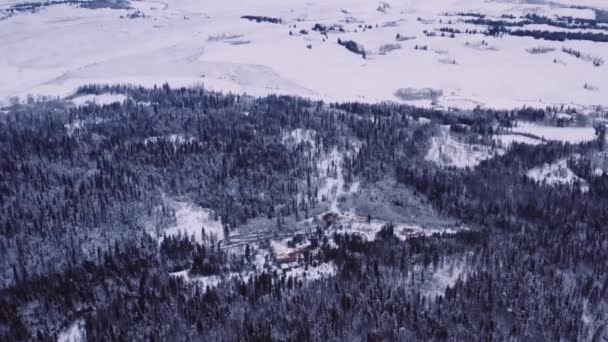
<point x="403" y="51"/>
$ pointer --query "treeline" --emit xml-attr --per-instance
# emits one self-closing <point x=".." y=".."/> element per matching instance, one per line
<point x="499" y="27"/>
<point x="561" y="35"/>
<point x="262" y="19"/>
<point x="535" y="19"/>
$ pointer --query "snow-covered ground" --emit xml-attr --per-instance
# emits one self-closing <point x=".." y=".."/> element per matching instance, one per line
<point x="445" y="275"/>
<point x="566" y="134"/>
<point x="191" y="220"/>
<point x="190" y="42"/>
<point x="99" y="100"/>
<point x="76" y="332"/>
<point x="447" y="151"/>
<point x="557" y="173"/>
<point x="332" y="186"/>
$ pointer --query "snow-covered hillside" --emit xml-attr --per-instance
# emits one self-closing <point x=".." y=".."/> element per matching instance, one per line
<point x="557" y="173"/>
<point x="188" y="42"/>
<point x="193" y="222"/>
<point x="447" y="151"/>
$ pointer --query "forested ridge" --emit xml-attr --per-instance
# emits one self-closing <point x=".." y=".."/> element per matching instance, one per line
<point x="82" y="207"/>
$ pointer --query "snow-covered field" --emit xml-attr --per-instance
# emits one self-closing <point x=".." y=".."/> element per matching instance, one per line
<point x="190" y="42"/>
<point x="572" y="135"/>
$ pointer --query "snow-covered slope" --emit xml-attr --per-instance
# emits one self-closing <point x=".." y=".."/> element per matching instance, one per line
<point x="193" y="221"/>
<point x="557" y="173"/>
<point x="447" y="151"/>
<point x="190" y="42"/>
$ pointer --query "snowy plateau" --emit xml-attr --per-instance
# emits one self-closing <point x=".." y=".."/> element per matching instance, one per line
<point x="410" y="56"/>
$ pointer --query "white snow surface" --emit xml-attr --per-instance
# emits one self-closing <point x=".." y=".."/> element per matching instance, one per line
<point x="190" y="42"/>
<point x="572" y="135"/>
<point x="76" y="332"/>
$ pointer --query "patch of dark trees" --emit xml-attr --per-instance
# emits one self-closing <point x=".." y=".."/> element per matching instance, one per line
<point x="262" y="19"/>
<point x="497" y="27"/>
<point x="566" y="22"/>
<point x="560" y="35"/>
<point x="324" y="29"/>
<point x="471" y="14"/>
<point x="449" y="30"/>
<point x="530" y="19"/>
<point x="597" y="61"/>
<point x="601" y="15"/>
<point x="353" y="47"/>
